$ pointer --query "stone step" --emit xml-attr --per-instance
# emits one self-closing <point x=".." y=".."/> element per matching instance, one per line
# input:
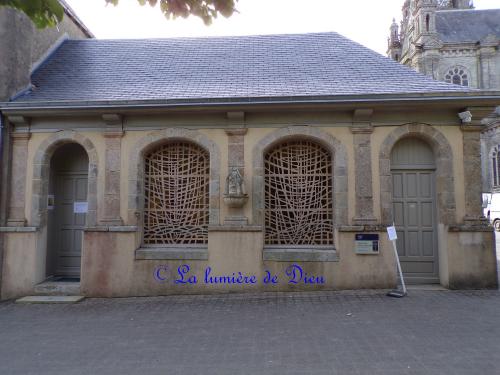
<point x="50" y="299"/>
<point x="57" y="288"/>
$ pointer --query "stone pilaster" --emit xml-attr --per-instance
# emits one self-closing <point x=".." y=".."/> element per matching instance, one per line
<point x="471" y="130"/>
<point x="362" y="130"/>
<point x="236" y="159"/>
<point x="112" y="165"/>
<point x="488" y="70"/>
<point x="20" y="136"/>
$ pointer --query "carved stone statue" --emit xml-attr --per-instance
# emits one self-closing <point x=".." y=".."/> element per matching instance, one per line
<point x="235" y="196"/>
<point x="235" y="186"/>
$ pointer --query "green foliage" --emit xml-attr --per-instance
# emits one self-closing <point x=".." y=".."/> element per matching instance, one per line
<point x="207" y="10"/>
<point x="48" y="13"/>
<point x="43" y="13"/>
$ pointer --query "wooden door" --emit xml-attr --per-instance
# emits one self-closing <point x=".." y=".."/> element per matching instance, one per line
<point x="67" y="208"/>
<point x="414" y="215"/>
<point x="70" y="200"/>
<point x="414" y="210"/>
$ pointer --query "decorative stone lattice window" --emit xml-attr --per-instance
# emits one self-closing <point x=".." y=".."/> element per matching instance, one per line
<point x="298" y="195"/>
<point x="176" y="195"/>
<point x="458" y="76"/>
<point x="495" y="163"/>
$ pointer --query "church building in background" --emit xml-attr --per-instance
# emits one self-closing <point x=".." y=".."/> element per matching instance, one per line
<point x="451" y="41"/>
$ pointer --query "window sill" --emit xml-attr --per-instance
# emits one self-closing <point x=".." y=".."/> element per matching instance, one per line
<point x="172" y="253"/>
<point x="300" y="253"/>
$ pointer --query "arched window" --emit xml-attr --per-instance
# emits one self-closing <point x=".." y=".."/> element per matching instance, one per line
<point x="427" y="20"/>
<point x="457" y="75"/>
<point x="298" y="194"/>
<point x="495" y="163"/>
<point x="176" y="195"/>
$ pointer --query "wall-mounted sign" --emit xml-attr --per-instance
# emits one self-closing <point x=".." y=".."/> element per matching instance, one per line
<point x="80" y="207"/>
<point x="366" y="243"/>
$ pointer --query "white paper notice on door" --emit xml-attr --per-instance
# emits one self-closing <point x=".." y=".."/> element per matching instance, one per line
<point x="80" y="207"/>
<point x="391" y="232"/>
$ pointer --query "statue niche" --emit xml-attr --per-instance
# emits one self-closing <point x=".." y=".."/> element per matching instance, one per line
<point x="235" y="195"/>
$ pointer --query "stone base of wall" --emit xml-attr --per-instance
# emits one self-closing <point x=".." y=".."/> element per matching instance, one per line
<point x="23" y="265"/>
<point x="110" y="267"/>
<point x="472" y="262"/>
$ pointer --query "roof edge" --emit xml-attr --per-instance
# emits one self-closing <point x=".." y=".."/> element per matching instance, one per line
<point x="72" y="14"/>
<point x="242" y="102"/>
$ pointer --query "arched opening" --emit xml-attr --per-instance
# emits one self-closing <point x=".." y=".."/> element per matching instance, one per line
<point x="67" y="207"/>
<point x="298" y="195"/>
<point x="176" y="195"/>
<point x="427" y="20"/>
<point x="414" y="209"/>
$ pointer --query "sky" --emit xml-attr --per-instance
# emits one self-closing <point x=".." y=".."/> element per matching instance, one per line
<point x="365" y="21"/>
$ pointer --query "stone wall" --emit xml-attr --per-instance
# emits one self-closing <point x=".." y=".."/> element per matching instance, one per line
<point x="22" y="45"/>
<point x="114" y="264"/>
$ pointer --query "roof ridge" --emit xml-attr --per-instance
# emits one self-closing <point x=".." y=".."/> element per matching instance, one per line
<point x="93" y="40"/>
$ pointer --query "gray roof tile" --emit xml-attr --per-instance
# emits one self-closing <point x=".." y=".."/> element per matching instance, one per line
<point x="470" y="25"/>
<point x="303" y="65"/>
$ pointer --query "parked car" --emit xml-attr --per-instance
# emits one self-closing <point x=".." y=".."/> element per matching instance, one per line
<point x="491" y="207"/>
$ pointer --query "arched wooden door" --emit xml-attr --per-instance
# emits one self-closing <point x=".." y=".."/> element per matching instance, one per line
<point x="67" y="207"/>
<point x="414" y="209"/>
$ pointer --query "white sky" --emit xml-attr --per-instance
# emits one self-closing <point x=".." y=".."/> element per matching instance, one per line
<point x="365" y="21"/>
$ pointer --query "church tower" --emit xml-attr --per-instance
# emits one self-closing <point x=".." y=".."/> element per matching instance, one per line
<point x="417" y="37"/>
<point x="394" y="43"/>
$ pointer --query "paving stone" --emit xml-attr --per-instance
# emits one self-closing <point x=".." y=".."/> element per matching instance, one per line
<point x="348" y="332"/>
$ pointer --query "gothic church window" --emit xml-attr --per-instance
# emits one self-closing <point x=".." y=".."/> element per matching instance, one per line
<point x="445" y="3"/>
<point x="458" y="76"/>
<point x="176" y="195"/>
<point x="298" y="189"/>
<point x="496" y="167"/>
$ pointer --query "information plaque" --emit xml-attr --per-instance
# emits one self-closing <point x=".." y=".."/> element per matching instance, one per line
<point x="366" y="243"/>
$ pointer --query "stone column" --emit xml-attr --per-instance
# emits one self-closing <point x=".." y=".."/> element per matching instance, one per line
<point x="471" y="130"/>
<point x="236" y="160"/>
<point x="112" y="165"/>
<point x="362" y="130"/>
<point x="19" y="137"/>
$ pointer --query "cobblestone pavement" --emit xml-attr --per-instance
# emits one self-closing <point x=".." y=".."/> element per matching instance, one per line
<point x="362" y="332"/>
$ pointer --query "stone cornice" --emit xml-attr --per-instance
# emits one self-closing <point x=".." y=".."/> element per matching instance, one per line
<point x="362" y="121"/>
<point x="112" y="119"/>
<point x="240" y="131"/>
<point x="19" y="136"/>
<point x="114" y="125"/>
<point x="19" y="120"/>
<point x="481" y="116"/>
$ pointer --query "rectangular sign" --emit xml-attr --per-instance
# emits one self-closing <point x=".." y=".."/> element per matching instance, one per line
<point x="391" y="232"/>
<point x="80" y="207"/>
<point x="366" y="243"/>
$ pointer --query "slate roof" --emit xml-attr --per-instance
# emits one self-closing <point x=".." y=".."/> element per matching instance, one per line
<point x="470" y="25"/>
<point x="221" y="68"/>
